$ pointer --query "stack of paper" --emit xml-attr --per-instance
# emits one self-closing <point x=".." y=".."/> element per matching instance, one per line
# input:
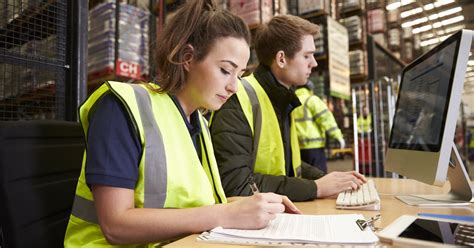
<point x="298" y="229"/>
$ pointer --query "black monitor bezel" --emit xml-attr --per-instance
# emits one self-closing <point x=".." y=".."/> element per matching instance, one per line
<point x="429" y="147"/>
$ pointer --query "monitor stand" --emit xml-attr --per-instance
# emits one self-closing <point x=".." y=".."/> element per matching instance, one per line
<point x="461" y="193"/>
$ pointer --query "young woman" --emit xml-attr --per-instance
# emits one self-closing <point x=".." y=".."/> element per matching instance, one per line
<point x="149" y="172"/>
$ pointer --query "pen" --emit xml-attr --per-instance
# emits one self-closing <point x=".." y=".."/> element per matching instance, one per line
<point x="253" y="185"/>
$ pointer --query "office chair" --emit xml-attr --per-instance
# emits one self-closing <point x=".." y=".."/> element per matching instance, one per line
<point x="40" y="162"/>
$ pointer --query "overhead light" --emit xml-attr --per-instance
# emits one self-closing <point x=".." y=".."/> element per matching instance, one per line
<point x="450" y="11"/>
<point x="433" y="41"/>
<point x="441" y="24"/>
<point x="394" y="5"/>
<point x="445" y="13"/>
<point x="452" y="20"/>
<point x="414" y="22"/>
<point x="442" y="2"/>
<point x="429" y="42"/>
<point x="422" y="29"/>
<point x="411" y="12"/>
<point x="429" y="6"/>
<point x="397" y="3"/>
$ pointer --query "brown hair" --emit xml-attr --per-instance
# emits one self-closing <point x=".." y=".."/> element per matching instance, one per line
<point x="197" y="23"/>
<point x="282" y="33"/>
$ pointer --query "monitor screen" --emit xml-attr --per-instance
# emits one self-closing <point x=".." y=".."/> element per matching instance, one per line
<point x="423" y="100"/>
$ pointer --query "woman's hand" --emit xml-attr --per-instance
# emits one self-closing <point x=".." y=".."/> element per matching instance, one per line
<point x="255" y="212"/>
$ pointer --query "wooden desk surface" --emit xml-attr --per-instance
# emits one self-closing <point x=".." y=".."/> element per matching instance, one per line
<point x="391" y="208"/>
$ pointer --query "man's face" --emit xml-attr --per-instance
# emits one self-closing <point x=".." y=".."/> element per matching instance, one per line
<point x="298" y="69"/>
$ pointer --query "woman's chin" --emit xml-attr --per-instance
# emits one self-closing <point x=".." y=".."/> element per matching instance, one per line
<point x="213" y="106"/>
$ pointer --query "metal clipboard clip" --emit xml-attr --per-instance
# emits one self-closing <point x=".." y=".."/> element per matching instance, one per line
<point x="368" y="223"/>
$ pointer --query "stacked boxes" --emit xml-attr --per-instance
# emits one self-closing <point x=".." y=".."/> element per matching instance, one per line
<point x="354" y="28"/>
<point x="394" y="38"/>
<point x="133" y="53"/>
<point x="249" y="10"/>
<point x="357" y="62"/>
<point x="319" y="41"/>
<point x="393" y="16"/>
<point x="305" y="6"/>
<point x="349" y="5"/>
<point x="376" y="20"/>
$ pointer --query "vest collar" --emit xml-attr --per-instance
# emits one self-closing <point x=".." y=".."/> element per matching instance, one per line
<point x="282" y="99"/>
<point x="193" y="125"/>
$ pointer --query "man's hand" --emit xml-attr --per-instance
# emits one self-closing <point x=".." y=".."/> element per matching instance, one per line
<point x="336" y="182"/>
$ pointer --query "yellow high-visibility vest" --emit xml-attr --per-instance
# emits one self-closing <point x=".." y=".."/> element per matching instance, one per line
<point x="269" y="157"/>
<point x="364" y="124"/>
<point x="313" y="120"/>
<point x="166" y="179"/>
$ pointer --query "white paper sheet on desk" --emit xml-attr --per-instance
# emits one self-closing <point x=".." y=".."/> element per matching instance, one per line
<point x="291" y="228"/>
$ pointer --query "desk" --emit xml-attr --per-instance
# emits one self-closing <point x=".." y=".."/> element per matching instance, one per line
<point x="391" y="208"/>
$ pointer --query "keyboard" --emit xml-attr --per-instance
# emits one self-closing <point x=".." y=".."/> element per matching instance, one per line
<point x="365" y="198"/>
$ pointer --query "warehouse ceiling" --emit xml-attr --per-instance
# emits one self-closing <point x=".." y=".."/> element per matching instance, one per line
<point x="432" y="21"/>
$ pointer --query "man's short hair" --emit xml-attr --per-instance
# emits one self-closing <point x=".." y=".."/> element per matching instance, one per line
<point x="282" y="33"/>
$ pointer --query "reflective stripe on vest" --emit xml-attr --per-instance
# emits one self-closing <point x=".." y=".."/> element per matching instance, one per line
<point x="160" y="174"/>
<point x="312" y="129"/>
<point x="268" y="151"/>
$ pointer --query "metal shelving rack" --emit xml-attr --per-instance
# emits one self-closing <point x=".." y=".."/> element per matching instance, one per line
<point x="42" y="49"/>
<point x="378" y="93"/>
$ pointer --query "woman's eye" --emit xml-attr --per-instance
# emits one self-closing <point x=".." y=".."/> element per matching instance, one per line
<point x="225" y="72"/>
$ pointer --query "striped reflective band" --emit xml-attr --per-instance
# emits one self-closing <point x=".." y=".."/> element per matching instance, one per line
<point x="257" y="117"/>
<point x="155" y="157"/>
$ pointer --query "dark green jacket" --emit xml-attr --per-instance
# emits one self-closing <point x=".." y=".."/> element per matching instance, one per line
<point x="232" y="141"/>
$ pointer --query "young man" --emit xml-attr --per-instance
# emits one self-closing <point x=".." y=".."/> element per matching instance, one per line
<point x="313" y="121"/>
<point x="254" y="134"/>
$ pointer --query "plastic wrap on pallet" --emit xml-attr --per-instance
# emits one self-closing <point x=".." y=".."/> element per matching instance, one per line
<point x="376" y="20"/>
<point x="249" y="10"/>
<point x="394" y="37"/>
<point x="354" y="28"/>
<point x="357" y="62"/>
<point x="348" y="5"/>
<point x="393" y="16"/>
<point x="305" y="6"/>
<point x="132" y="44"/>
<point x="407" y="33"/>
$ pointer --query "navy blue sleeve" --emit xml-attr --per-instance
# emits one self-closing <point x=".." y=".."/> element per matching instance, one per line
<point x="113" y="147"/>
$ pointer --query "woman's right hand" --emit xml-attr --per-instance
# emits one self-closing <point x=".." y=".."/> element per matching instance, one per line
<point x="255" y="212"/>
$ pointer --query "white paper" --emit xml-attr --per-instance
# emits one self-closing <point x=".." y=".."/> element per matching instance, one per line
<point x="304" y="229"/>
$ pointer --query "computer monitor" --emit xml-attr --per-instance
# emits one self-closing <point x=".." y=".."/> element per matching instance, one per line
<point x="421" y="142"/>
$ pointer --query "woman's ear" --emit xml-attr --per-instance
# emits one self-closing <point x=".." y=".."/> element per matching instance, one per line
<point x="280" y="59"/>
<point x="188" y="56"/>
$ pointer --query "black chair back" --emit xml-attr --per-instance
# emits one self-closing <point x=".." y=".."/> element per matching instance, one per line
<point x="40" y="162"/>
